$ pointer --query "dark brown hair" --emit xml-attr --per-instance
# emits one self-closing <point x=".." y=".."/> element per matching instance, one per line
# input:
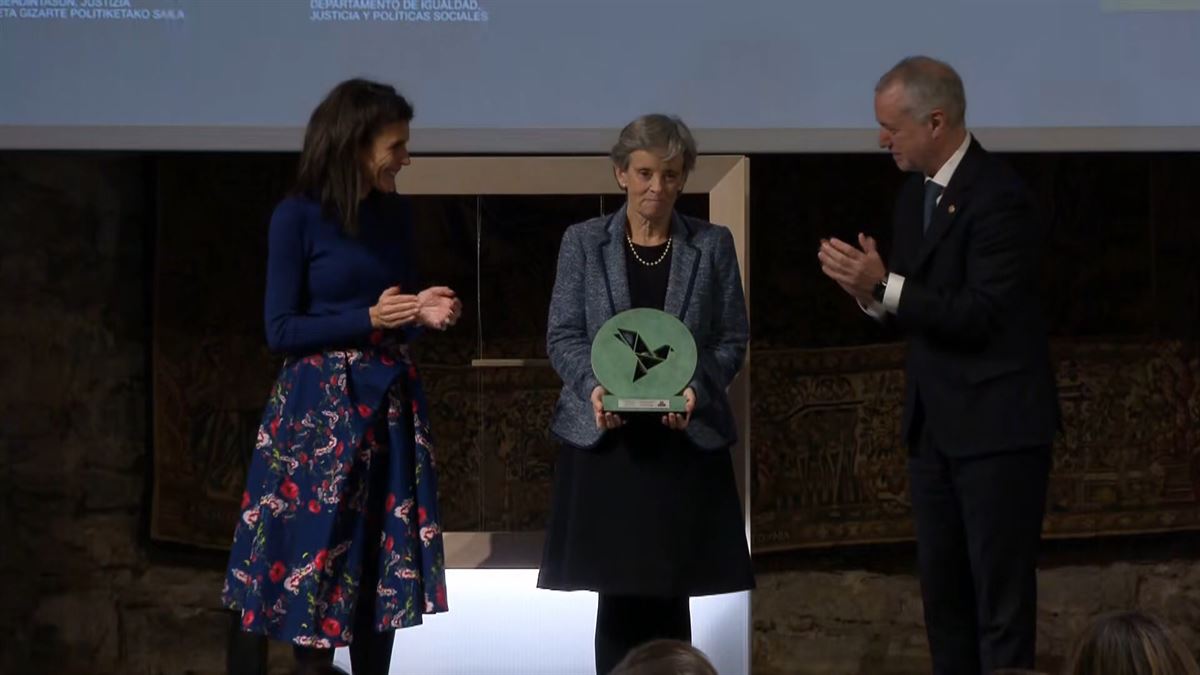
<point x="339" y="131"/>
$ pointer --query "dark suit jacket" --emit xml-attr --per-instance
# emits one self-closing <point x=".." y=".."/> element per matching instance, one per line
<point x="978" y="368"/>
<point x="704" y="290"/>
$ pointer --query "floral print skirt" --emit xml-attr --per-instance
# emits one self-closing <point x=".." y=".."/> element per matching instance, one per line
<point x="342" y="491"/>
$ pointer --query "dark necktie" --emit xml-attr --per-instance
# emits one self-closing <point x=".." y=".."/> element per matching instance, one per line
<point x="932" y="192"/>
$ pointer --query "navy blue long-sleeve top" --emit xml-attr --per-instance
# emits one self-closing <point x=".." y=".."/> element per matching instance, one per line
<point x="321" y="283"/>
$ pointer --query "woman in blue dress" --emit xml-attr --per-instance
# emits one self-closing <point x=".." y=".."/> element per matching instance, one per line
<point x="338" y="541"/>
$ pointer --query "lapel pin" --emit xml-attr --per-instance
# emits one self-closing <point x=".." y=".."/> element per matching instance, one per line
<point x="950" y="210"/>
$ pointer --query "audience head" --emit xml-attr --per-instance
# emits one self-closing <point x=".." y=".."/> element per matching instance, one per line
<point x="665" y="657"/>
<point x="1130" y="643"/>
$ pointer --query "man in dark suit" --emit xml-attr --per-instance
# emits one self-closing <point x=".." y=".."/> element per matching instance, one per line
<point x="980" y="410"/>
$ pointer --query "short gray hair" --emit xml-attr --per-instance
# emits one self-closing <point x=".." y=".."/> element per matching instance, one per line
<point x="929" y="84"/>
<point x="656" y="133"/>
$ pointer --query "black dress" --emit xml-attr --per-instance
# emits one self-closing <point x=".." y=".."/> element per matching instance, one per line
<point x="645" y="512"/>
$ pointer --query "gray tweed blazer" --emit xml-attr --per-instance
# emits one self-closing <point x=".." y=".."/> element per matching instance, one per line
<point x="704" y="291"/>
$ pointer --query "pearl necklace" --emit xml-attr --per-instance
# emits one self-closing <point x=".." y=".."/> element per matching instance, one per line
<point x="639" y="258"/>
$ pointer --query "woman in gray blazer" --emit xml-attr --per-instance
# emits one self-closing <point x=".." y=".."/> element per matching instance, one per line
<point x="645" y="508"/>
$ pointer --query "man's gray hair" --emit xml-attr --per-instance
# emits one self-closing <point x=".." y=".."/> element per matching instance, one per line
<point x="929" y="84"/>
<point x="656" y="133"/>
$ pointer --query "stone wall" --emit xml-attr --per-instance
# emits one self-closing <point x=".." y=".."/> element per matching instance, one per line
<point x="83" y="590"/>
<point x="859" y="611"/>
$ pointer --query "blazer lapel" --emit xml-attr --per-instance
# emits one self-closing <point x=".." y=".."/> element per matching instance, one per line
<point x="685" y="262"/>
<point x="612" y="253"/>
<point x="948" y="208"/>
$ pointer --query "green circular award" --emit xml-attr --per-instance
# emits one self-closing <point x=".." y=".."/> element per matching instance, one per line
<point x="644" y="358"/>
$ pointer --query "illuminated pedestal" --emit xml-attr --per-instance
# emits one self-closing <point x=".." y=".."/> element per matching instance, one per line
<point x="500" y="623"/>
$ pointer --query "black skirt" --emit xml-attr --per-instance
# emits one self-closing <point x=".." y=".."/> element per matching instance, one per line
<point x="645" y="513"/>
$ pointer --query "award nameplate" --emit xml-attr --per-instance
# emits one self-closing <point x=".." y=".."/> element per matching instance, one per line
<point x="644" y="358"/>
